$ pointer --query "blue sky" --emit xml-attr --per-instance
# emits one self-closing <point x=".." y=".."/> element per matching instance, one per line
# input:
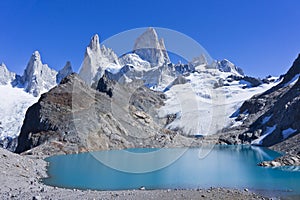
<point x="261" y="36"/>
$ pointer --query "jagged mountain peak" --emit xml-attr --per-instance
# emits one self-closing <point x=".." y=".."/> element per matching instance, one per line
<point x="227" y="66"/>
<point x="150" y="48"/>
<point x="95" y="43"/>
<point x="2" y="65"/>
<point x="64" y="72"/>
<point x="37" y="77"/>
<point x="148" y="39"/>
<point x="36" y="56"/>
<point x="96" y="60"/>
<point x="5" y="75"/>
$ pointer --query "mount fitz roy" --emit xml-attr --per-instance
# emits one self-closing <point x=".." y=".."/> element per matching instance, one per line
<point x="143" y="93"/>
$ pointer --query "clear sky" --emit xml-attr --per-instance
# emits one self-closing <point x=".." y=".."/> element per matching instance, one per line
<point x="260" y="36"/>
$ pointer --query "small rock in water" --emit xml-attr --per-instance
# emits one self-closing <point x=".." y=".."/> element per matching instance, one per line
<point x="142" y="188"/>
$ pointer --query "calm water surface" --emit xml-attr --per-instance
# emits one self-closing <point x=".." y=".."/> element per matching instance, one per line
<point x="225" y="166"/>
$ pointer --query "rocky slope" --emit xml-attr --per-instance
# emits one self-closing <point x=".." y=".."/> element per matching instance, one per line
<point x="272" y="117"/>
<point x="73" y="117"/>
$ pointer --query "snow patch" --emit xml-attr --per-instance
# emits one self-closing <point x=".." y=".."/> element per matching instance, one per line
<point x="259" y="140"/>
<point x="209" y="108"/>
<point x="287" y="132"/>
<point x="266" y="119"/>
<point x="14" y="104"/>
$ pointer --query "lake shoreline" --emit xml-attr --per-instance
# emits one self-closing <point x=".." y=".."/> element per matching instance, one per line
<point x="22" y="176"/>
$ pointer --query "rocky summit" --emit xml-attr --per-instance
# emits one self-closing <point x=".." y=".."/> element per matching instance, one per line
<point x="96" y="60"/>
<point x="150" y="48"/>
<point x="37" y="77"/>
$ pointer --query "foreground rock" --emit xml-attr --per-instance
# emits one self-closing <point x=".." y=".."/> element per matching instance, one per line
<point x="286" y="160"/>
<point x="21" y="179"/>
<point x="291" y="148"/>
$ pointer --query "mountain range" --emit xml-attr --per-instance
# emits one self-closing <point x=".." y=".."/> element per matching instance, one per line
<point x="142" y="99"/>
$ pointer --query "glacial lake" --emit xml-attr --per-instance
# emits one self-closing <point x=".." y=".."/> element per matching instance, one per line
<point x="230" y="166"/>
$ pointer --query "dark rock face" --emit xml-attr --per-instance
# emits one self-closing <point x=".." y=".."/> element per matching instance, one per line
<point x="105" y="85"/>
<point x="251" y="81"/>
<point x="292" y="72"/>
<point x="44" y="120"/>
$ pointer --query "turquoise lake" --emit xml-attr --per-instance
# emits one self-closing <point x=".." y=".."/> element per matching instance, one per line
<point x="224" y="166"/>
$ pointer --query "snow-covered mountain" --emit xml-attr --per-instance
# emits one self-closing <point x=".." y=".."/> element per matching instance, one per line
<point x="227" y="66"/>
<point x="210" y="92"/>
<point x="201" y="96"/>
<point x="213" y="90"/>
<point x="151" y="49"/>
<point x="37" y="77"/>
<point x="18" y="93"/>
<point x="96" y="60"/>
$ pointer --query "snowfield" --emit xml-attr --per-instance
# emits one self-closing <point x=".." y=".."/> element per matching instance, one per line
<point x="202" y="109"/>
<point x="14" y="104"/>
